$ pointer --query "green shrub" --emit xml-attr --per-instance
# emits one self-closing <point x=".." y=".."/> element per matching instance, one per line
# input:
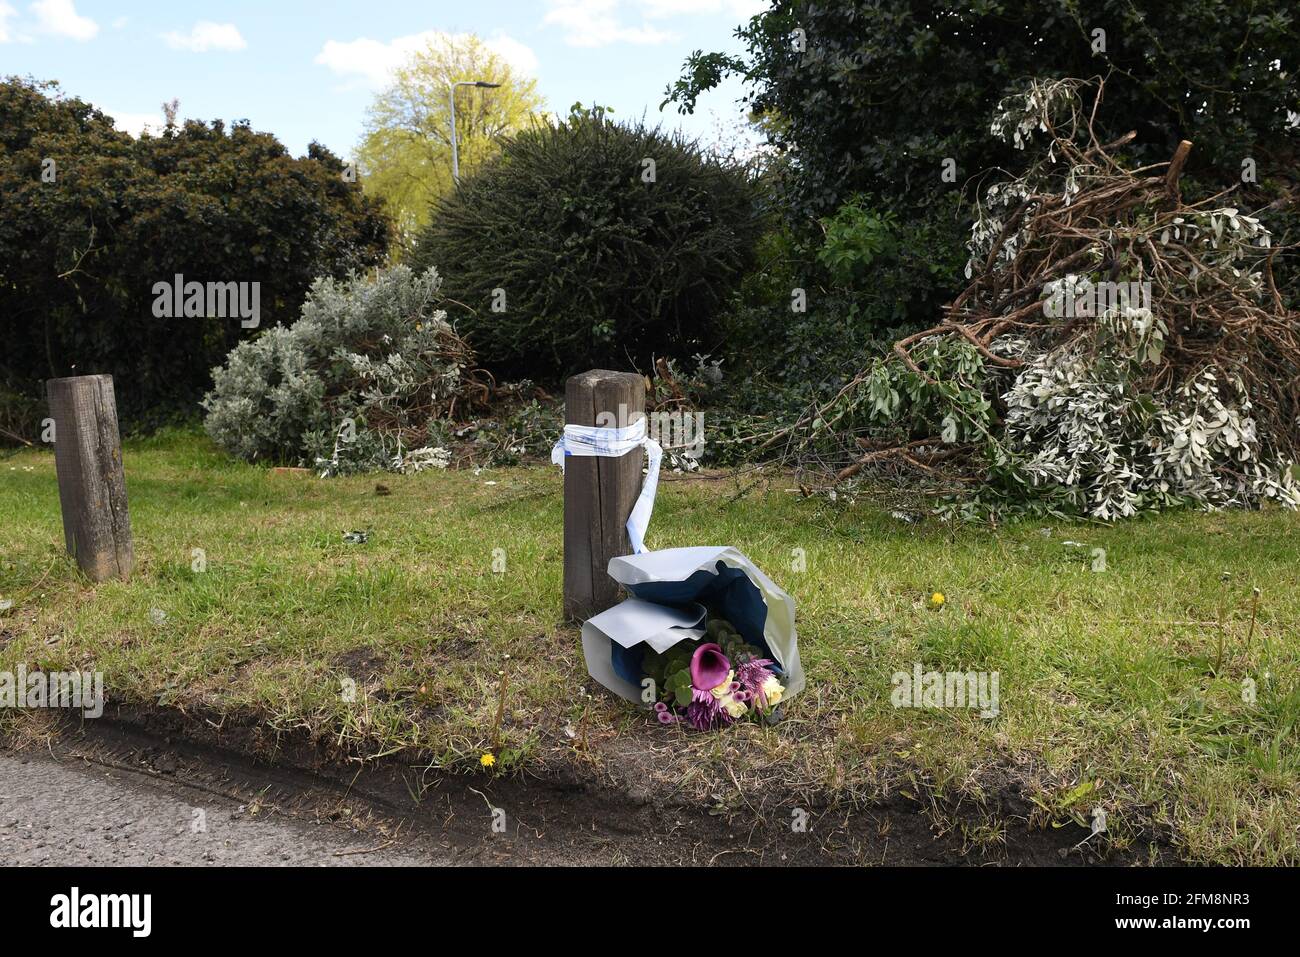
<point x="364" y="380"/>
<point x="875" y="278"/>
<point x="91" y="219"/>
<point x="571" y="251"/>
<point x="856" y="237"/>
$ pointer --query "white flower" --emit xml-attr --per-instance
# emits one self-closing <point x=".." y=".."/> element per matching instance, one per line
<point x="773" y="691"/>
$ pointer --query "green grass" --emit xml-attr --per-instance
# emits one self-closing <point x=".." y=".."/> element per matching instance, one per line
<point x="1120" y="689"/>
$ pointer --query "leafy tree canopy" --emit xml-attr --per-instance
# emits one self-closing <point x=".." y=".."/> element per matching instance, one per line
<point x="405" y="154"/>
<point x="872" y="96"/>
<point x="92" y="219"/>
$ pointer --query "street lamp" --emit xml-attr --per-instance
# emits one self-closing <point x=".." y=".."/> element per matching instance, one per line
<point x="451" y="87"/>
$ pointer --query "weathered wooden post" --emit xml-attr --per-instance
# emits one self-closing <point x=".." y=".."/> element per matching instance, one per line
<point x="92" y="486"/>
<point x="599" y="491"/>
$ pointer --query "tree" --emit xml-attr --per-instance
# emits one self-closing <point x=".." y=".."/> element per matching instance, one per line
<point x="405" y="155"/>
<point x="885" y="104"/>
<point x="92" y="219"/>
<point x="874" y="95"/>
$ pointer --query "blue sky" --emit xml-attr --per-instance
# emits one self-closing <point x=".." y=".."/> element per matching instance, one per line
<point x="306" y="69"/>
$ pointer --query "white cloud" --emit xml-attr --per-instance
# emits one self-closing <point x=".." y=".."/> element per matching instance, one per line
<point x="519" y="55"/>
<point x="6" y="12"/>
<point x="374" y="61"/>
<point x="137" y="123"/>
<point x="206" y="35"/>
<point x="596" y="23"/>
<point x="60" y="18"/>
<point x="364" y="57"/>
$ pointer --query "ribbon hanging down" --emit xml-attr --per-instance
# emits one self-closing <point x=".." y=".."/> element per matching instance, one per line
<point x="612" y="443"/>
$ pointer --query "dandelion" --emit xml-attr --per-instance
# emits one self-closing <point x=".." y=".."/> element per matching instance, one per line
<point x="937" y="600"/>
<point x="488" y="760"/>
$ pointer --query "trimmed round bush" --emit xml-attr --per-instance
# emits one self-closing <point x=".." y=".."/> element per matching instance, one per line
<point x="589" y="243"/>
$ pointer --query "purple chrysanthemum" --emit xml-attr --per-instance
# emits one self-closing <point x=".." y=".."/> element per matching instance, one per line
<point x="751" y="676"/>
<point x="704" y="711"/>
<point x="699" y="716"/>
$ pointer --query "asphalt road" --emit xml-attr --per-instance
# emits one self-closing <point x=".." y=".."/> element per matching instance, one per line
<point x="71" y="812"/>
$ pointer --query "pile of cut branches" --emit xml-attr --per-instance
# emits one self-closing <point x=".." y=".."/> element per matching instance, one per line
<point x="1117" y="348"/>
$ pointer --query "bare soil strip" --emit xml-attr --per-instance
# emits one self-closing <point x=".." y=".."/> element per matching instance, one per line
<point x="155" y="774"/>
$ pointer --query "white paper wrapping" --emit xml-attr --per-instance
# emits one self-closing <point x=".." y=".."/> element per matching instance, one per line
<point x="669" y="572"/>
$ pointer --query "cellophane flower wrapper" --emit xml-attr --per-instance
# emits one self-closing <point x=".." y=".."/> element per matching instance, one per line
<point x="691" y="596"/>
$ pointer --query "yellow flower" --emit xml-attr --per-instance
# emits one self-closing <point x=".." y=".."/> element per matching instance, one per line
<point x="724" y="687"/>
<point x="488" y="760"/>
<point x="733" y="707"/>
<point x="937" y="600"/>
<point x="772" y="691"/>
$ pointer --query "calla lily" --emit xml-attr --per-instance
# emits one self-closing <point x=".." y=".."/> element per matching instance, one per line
<point x="709" y="667"/>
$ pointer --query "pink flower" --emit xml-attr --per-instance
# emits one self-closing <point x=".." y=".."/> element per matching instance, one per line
<point x="665" y="714"/>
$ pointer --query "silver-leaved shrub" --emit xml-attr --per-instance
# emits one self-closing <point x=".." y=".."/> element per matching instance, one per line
<point x="365" y="379"/>
<point x="1075" y="425"/>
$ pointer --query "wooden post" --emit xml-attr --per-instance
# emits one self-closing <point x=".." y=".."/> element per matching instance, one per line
<point x="599" y="492"/>
<point x="92" y="487"/>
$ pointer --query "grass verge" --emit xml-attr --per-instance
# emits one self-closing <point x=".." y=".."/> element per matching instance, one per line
<point x="1155" y="690"/>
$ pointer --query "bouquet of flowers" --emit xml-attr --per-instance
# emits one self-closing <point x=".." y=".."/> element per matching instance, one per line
<point x="705" y="637"/>
<point x="715" y="681"/>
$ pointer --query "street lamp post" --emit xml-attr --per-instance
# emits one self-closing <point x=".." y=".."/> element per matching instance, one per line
<point x="451" y="88"/>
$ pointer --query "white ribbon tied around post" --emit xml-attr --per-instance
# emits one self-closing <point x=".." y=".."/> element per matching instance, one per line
<point x="612" y="443"/>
